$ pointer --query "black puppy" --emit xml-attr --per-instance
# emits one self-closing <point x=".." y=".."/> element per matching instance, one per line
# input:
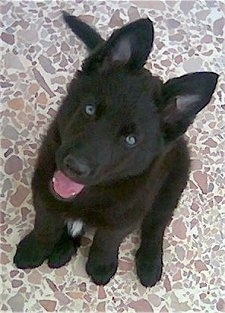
<point x="114" y="156"/>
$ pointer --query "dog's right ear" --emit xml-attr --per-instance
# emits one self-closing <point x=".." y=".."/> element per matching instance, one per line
<point x="86" y="33"/>
<point x="130" y="45"/>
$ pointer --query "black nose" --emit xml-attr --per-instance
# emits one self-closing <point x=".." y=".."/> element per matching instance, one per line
<point x="76" y="167"/>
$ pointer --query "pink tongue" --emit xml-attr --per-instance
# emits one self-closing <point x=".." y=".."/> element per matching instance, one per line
<point x="64" y="186"/>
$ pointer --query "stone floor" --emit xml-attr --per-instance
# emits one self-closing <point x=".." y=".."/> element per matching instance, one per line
<point x="39" y="57"/>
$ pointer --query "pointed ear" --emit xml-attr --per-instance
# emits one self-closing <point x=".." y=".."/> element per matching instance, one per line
<point x="130" y="45"/>
<point x="86" y="33"/>
<point x="183" y="98"/>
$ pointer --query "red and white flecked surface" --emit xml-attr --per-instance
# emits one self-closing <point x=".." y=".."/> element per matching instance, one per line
<point x="39" y="57"/>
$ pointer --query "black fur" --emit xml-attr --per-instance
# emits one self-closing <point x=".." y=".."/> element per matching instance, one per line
<point x="129" y="154"/>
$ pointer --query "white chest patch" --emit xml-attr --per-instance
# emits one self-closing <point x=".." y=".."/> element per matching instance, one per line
<point x="74" y="227"/>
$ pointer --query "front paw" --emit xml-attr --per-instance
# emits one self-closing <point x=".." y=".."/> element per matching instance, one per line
<point x="101" y="271"/>
<point x="149" y="268"/>
<point x="63" y="251"/>
<point x="29" y="253"/>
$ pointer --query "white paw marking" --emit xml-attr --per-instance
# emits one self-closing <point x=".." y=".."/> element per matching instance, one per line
<point x="74" y="227"/>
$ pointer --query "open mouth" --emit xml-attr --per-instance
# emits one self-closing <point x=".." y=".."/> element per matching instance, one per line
<point x="64" y="187"/>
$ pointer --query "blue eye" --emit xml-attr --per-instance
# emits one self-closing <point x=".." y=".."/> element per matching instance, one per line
<point x="90" y="109"/>
<point x="131" y="140"/>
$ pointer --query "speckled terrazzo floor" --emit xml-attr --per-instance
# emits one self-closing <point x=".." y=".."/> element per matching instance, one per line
<point x="39" y="57"/>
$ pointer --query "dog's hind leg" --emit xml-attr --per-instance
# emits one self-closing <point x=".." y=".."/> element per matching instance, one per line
<point x="149" y="256"/>
<point x="49" y="220"/>
<point x="39" y="243"/>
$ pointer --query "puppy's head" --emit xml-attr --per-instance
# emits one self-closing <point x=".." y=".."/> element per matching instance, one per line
<point x="117" y="118"/>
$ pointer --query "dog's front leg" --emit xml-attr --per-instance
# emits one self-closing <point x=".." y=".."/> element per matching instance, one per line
<point x="103" y="256"/>
<point x="149" y="257"/>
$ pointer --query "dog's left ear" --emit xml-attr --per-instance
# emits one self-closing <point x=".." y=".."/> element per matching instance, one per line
<point x="183" y="98"/>
<point x="129" y="45"/>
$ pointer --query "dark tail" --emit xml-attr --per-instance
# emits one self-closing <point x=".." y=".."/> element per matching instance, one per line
<point x="86" y="33"/>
